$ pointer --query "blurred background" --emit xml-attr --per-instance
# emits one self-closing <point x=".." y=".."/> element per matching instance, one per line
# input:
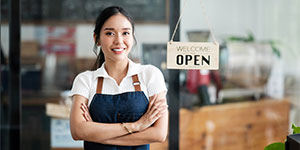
<point x="250" y="102"/>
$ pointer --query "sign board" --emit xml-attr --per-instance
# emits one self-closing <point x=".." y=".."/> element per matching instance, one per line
<point x="193" y="55"/>
<point x="61" y="40"/>
<point x="61" y="135"/>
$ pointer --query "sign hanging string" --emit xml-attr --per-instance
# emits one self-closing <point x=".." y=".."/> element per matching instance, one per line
<point x="204" y="13"/>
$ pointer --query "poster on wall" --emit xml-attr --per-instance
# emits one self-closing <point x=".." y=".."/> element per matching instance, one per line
<point x="61" y="135"/>
<point x="193" y="55"/>
<point x="61" y="41"/>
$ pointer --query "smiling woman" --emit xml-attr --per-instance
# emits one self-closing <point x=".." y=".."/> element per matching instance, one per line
<point x="116" y="38"/>
<point x="121" y="104"/>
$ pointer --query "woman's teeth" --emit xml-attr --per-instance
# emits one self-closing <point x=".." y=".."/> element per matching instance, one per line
<point x="118" y="50"/>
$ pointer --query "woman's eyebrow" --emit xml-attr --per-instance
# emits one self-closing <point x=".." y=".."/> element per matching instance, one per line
<point x="109" y="29"/>
<point x="114" y="28"/>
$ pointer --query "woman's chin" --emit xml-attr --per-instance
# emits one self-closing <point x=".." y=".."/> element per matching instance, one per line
<point x="119" y="57"/>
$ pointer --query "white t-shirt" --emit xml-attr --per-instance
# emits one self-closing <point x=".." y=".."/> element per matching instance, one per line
<point x="151" y="81"/>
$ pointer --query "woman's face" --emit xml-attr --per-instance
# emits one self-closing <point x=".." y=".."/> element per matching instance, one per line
<point x="116" y="38"/>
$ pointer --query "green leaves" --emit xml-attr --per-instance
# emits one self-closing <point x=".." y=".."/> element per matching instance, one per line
<point x="250" y="38"/>
<point x="275" y="49"/>
<point x="296" y="129"/>
<point x="275" y="146"/>
<point x="279" y="145"/>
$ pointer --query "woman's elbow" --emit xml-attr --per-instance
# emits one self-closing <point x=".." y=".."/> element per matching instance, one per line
<point x="75" y="137"/>
<point x="161" y="137"/>
<point x="76" y="133"/>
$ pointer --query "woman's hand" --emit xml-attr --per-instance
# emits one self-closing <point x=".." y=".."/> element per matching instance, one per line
<point x="157" y="107"/>
<point x="85" y="112"/>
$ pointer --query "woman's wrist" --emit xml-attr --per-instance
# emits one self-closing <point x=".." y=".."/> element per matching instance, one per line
<point x="134" y="126"/>
<point x="130" y="127"/>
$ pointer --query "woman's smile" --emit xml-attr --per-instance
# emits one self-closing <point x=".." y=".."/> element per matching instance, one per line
<point x="118" y="50"/>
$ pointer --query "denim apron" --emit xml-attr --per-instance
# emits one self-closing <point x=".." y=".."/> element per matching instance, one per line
<point x="124" y="107"/>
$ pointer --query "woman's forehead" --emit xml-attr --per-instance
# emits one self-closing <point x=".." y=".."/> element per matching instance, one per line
<point x="118" y="21"/>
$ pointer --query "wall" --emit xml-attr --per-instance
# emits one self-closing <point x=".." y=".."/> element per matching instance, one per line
<point x="230" y="17"/>
<point x="276" y="20"/>
<point x="145" y="33"/>
<point x="268" y="20"/>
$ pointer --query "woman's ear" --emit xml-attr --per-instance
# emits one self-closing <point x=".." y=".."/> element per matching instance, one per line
<point x="95" y="39"/>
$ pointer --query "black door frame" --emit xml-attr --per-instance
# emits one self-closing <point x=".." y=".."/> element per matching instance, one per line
<point x="173" y="92"/>
<point x="14" y="77"/>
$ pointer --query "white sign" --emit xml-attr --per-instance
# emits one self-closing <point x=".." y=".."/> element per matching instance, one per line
<point x="61" y="135"/>
<point x="192" y="55"/>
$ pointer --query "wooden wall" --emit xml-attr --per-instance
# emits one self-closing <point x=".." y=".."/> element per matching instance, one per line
<point x="235" y="126"/>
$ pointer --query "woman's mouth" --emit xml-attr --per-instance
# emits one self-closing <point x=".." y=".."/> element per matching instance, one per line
<point x="118" y="50"/>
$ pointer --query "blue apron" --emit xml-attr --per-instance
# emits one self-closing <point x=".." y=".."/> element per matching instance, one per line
<point x="124" y="107"/>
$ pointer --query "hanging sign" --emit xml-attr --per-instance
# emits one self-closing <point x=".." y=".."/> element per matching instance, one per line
<point x="192" y="55"/>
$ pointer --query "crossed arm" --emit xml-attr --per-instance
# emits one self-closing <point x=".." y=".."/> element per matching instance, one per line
<point x="151" y="127"/>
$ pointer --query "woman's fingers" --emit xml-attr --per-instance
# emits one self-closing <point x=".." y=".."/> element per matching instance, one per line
<point x="160" y="103"/>
<point x="153" y="97"/>
<point x="82" y="109"/>
<point x="159" y="111"/>
<point x="155" y="114"/>
<point x="154" y="103"/>
<point x="156" y="109"/>
<point x="89" y="116"/>
<point x="84" y="106"/>
<point x="151" y="116"/>
<point x="85" y="117"/>
<point x="85" y="112"/>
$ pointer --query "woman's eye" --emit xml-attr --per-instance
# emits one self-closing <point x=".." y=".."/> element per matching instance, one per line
<point x="126" y="33"/>
<point x="109" y="33"/>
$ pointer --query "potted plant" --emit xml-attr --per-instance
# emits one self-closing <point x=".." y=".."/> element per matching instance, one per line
<point x="280" y="145"/>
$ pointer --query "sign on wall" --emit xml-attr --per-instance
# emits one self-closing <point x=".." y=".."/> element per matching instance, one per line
<point x="61" y="134"/>
<point x="193" y="55"/>
<point x="61" y="40"/>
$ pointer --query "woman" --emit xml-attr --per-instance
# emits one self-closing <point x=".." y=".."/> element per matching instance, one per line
<point x="110" y="107"/>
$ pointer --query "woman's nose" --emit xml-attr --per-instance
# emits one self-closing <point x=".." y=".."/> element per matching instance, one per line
<point x="118" y="39"/>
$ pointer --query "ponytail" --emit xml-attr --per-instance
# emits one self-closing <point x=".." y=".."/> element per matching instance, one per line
<point x="99" y="61"/>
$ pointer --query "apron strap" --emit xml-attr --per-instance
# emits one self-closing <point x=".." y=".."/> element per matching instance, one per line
<point x="136" y="83"/>
<point x="99" y="85"/>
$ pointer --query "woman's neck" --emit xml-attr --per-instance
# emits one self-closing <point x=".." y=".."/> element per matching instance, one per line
<point x="117" y="70"/>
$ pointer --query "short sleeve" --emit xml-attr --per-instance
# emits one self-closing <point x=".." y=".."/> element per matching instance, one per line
<point x="81" y="84"/>
<point x="154" y="80"/>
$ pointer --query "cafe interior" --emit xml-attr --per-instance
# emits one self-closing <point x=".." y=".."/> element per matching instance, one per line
<point x="251" y="101"/>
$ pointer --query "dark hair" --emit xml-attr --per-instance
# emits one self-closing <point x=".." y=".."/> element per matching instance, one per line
<point x="103" y="16"/>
